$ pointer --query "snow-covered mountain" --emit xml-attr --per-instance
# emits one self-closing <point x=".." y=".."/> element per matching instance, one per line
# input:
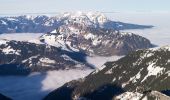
<point x="140" y="72"/>
<point x="151" y="95"/>
<point x="64" y="48"/>
<point x="43" y="24"/>
<point x="17" y="57"/>
<point x="94" y="41"/>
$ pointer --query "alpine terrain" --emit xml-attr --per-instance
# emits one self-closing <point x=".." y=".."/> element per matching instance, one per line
<point x="141" y="75"/>
<point x="61" y="54"/>
<point x="84" y="50"/>
<point x="94" y="41"/>
<point x="18" y="57"/>
<point x="68" y="45"/>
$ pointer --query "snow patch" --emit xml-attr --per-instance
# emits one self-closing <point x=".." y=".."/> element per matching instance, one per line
<point x="130" y="96"/>
<point x="30" y="60"/>
<point x="3" y="22"/>
<point x="70" y="47"/>
<point x="47" y="60"/>
<point x="152" y="70"/>
<point x="89" y="36"/>
<point x="126" y="33"/>
<point x="10" y="50"/>
<point x="109" y="71"/>
<point x="66" y="57"/>
<point x="96" y="42"/>
<point x="133" y="79"/>
<point x="53" y="40"/>
<point x="3" y="42"/>
<point x="54" y="31"/>
<point x="137" y="76"/>
<point x="167" y="47"/>
<point x="168" y="61"/>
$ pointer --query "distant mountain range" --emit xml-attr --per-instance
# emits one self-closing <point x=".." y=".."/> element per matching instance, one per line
<point x="43" y="24"/>
<point x="140" y="75"/>
<point x="67" y="45"/>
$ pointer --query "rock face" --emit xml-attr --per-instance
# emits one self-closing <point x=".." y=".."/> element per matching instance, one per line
<point x="38" y="24"/>
<point x="64" y="92"/>
<point x="141" y="72"/>
<point x="152" y="95"/>
<point x="2" y="97"/>
<point x="23" y="57"/>
<point x="95" y="41"/>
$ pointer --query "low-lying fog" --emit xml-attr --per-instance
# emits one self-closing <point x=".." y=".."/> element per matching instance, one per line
<point x="36" y="85"/>
<point x="159" y="35"/>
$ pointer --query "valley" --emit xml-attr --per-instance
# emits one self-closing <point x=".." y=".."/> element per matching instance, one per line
<point x="96" y="52"/>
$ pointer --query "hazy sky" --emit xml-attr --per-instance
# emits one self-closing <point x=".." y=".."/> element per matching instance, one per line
<point x="40" y="6"/>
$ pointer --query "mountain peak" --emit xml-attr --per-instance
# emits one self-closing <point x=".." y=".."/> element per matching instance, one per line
<point x="95" y="41"/>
